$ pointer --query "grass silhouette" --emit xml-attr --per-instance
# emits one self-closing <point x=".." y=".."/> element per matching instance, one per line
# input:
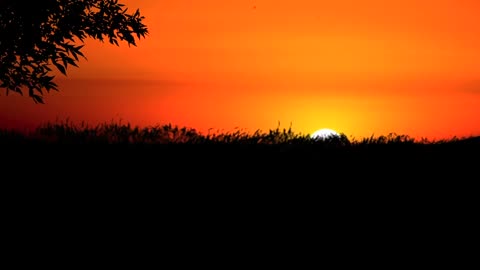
<point x="68" y="132"/>
<point x="113" y="140"/>
<point x="104" y="154"/>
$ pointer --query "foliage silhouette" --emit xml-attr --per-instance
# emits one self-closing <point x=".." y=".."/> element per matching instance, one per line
<point x="34" y="35"/>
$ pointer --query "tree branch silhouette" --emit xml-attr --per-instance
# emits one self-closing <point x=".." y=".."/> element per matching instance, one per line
<point x="37" y="35"/>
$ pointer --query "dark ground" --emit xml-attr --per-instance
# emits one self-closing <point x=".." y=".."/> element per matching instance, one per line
<point x="458" y="159"/>
<point x="396" y="193"/>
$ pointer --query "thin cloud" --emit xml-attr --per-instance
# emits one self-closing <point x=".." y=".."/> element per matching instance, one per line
<point x="472" y="86"/>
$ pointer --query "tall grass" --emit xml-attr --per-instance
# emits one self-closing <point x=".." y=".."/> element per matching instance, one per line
<point x="120" y="133"/>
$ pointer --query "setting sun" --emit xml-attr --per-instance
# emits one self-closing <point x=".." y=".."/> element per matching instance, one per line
<point x="324" y="133"/>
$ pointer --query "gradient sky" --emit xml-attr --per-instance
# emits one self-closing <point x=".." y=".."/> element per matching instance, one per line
<point x="362" y="68"/>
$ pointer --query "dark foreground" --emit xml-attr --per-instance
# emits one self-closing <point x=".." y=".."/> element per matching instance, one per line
<point x="281" y="196"/>
<point x="187" y="185"/>
<point x="248" y="161"/>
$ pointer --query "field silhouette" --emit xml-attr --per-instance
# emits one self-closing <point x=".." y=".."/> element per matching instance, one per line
<point x="275" y="151"/>
<point x="178" y="169"/>
<point x="118" y="133"/>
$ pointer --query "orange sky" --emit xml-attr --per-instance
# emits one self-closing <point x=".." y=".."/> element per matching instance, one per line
<point x="362" y="68"/>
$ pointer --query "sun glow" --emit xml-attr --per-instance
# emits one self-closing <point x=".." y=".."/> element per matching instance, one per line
<point x="324" y="133"/>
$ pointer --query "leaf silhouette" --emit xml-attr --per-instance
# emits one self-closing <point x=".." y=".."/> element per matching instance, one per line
<point x="61" y="68"/>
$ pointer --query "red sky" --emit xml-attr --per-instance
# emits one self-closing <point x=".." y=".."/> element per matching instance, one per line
<point x="362" y="68"/>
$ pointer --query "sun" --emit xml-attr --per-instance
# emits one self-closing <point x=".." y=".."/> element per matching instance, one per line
<point x="324" y="133"/>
